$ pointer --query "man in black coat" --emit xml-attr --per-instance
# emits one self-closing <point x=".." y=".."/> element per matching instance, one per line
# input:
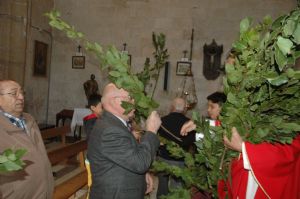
<point x="170" y="129"/>
<point x="118" y="162"/>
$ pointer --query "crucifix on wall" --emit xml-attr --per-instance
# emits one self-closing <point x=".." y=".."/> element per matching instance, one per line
<point x="212" y="60"/>
<point x="78" y="61"/>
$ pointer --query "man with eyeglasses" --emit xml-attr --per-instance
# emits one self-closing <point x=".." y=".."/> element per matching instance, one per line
<point x="19" y="130"/>
<point x="118" y="162"/>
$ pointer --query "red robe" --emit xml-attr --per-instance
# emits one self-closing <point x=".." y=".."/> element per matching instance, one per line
<point x="276" y="168"/>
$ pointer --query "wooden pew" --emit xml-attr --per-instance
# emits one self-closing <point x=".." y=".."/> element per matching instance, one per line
<point x="55" y="132"/>
<point x="71" y="185"/>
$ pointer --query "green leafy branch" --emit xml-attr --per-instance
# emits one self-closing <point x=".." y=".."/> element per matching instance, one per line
<point x="196" y="173"/>
<point x="262" y="87"/>
<point x="263" y="91"/>
<point x="117" y="65"/>
<point x="160" y="55"/>
<point x="263" y="100"/>
<point x="11" y="160"/>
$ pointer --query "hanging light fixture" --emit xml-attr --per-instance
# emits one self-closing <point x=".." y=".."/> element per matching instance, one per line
<point x="188" y="91"/>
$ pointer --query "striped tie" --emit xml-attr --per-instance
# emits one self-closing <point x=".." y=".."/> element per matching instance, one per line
<point x="129" y="127"/>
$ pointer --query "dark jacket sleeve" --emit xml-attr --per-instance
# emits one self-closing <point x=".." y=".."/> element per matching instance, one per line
<point x="88" y="126"/>
<point x="120" y="147"/>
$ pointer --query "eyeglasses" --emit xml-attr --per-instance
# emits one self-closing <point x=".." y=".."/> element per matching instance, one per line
<point x="14" y="93"/>
<point x="129" y="98"/>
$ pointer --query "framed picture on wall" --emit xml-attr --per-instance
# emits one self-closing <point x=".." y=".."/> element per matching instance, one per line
<point x="184" y="68"/>
<point x="40" y="58"/>
<point x="78" y="62"/>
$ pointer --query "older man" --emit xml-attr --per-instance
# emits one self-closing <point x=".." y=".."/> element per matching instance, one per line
<point x="19" y="130"/>
<point x="170" y="130"/>
<point x="118" y="161"/>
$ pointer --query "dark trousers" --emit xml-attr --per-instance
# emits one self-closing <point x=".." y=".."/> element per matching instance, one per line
<point x="167" y="182"/>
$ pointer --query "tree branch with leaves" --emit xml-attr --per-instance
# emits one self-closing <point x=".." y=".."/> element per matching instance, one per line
<point x="116" y="63"/>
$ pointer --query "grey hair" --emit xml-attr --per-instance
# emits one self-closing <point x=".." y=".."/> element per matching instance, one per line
<point x="179" y="105"/>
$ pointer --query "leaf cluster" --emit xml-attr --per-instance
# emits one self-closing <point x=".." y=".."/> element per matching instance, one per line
<point x="199" y="168"/>
<point x="263" y="99"/>
<point x="263" y="92"/>
<point x="11" y="160"/>
<point x="262" y="88"/>
<point x="160" y="55"/>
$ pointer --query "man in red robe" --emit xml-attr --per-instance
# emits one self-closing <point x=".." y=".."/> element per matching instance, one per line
<point x="265" y="170"/>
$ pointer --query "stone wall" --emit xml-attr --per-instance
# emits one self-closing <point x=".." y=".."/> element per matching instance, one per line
<point x="116" y="22"/>
<point x="22" y="22"/>
<point x="13" y="15"/>
<point x="132" y="21"/>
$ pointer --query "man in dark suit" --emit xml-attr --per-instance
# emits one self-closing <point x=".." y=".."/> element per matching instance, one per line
<point x="170" y="129"/>
<point x="118" y="161"/>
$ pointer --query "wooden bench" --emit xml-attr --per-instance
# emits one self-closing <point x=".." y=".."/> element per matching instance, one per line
<point x="72" y="184"/>
<point x="55" y="132"/>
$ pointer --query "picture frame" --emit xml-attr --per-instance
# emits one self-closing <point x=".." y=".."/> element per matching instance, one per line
<point x="184" y="68"/>
<point x="40" y="58"/>
<point x="78" y="62"/>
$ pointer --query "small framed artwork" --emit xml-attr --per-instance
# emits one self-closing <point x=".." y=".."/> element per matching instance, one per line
<point x="78" y="62"/>
<point x="40" y="58"/>
<point x="184" y="68"/>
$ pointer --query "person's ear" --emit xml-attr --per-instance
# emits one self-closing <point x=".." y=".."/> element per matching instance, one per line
<point x="93" y="108"/>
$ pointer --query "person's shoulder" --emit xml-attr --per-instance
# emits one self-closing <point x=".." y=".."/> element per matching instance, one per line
<point x="27" y="116"/>
<point x="105" y="124"/>
<point x="175" y="115"/>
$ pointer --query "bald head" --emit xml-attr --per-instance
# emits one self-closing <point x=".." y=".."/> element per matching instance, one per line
<point x="4" y="82"/>
<point x="109" y="89"/>
<point x="178" y="105"/>
<point x="112" y="99"/>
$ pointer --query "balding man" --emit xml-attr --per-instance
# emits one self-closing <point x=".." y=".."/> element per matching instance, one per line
<point x="19" y="130"/>
<point x="170" y="130"/>
<point x="118" y="161"/>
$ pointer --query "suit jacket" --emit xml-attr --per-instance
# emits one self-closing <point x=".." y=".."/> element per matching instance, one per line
<point x="173" y="123"/>
<point x="35" y="181"/>
<point x="118" y="162"/>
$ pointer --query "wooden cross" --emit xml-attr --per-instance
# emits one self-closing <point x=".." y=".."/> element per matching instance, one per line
<point x="79" y="47"/>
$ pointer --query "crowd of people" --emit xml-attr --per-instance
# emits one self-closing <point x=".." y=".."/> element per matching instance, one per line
<point x="120" y="157"/>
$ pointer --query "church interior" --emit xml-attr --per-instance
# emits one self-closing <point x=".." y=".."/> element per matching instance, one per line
<point x="53" y="69"/>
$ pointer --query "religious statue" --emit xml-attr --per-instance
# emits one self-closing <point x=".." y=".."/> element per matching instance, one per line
<point x="90" y="87"/>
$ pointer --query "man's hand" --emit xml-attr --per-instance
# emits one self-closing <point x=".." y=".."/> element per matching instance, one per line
<point x="187" y="127"/>
<point x="153" y="122"/>
<point x="149" y="182"/>
<point x="236" y="141"/>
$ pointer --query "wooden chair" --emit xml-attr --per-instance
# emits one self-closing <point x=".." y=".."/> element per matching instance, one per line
<point x="70" y="185"/>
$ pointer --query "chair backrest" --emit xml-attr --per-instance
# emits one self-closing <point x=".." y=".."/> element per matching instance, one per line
<point x="58" y="155"/>
<point x="55" y="132"/>
<point x="77" y="178"/>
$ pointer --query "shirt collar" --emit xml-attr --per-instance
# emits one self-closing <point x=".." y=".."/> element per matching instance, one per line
<point x="17" y="121"/>
<point x="122" y="120"/>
